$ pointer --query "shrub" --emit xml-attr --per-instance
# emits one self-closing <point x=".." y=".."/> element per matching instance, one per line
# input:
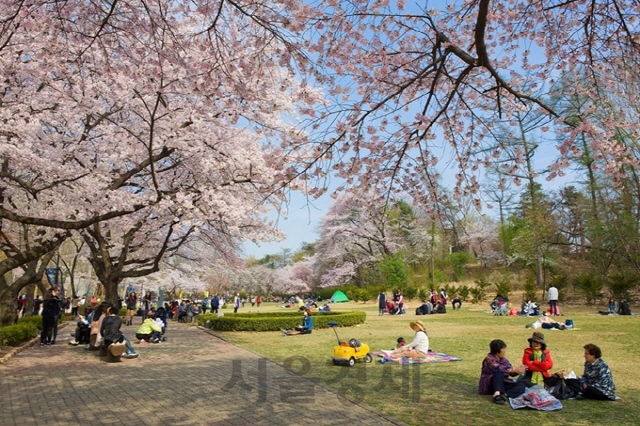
<point x="13" y="335"/>
<point x="589" y="286"/>
<point x="358" y="295"/>
<point x="410" y="292"/>
<point x="422" y="294"/>
<point x="478" y="292"/>
<point x="452" y="291"/>
<point x="274" y="321"/>
<point x="503" y="287"/>
<point x="35" y="319"/>
<point x="463" y="292"/>
<point x="620" y="286"/>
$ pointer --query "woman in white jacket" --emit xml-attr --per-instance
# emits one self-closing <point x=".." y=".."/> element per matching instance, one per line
<point x="418" y="347"/>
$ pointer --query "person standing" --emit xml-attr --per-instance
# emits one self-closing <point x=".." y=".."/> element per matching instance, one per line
<point x="552" y="294"/>
<point x="146" y="305"/>
<point x="36" y="305"/>
<point x="205" y="305"/>
<point x="215" y="304"/>
<point x="74" y="306"/>
<point x="132" y="301"/>
<point x="258" y="300"/>
<point x="443" y="296"/>
<point x="236" y="303"/>
<point x="382" y="303"/>
<point x="434" y="297"/>
<point x="400" y="303"/>
<point x="50" y="313"/>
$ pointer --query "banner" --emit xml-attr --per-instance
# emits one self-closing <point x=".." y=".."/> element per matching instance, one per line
<point x="206" y="294"/>
<point x="52" y="276"/>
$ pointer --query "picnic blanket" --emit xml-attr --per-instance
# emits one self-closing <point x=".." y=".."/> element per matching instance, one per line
<point x="536" y="397"/>
<point x="431" y="357"/>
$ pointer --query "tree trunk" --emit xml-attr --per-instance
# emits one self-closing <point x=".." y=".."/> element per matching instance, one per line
<point x="111" y="290"/>
<point x="8" y="307"/>
<point x="31" y="290"/>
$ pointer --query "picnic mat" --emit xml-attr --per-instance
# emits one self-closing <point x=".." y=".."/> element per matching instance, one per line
<point x="431" y="357"/>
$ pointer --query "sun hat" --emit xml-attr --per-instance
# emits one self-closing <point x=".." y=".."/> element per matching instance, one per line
<point x="537" y="337"/>
<point x="419" y="324"/>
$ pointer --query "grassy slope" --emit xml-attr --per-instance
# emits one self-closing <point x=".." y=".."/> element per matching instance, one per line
<point x="449" y="390"/>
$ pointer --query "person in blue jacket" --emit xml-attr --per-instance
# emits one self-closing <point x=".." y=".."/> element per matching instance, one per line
<point x="305" y="328"/>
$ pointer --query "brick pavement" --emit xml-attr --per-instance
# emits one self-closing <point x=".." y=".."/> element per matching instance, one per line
<point x="192" y="379"/>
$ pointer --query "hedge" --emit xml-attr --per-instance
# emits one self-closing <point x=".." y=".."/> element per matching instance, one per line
<point x="34" y="319"/>
<point x="13" y="335"/>
<point x="274" y="321"/>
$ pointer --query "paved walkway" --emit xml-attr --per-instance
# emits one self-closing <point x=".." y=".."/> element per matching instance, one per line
<point x="192" y="379"/>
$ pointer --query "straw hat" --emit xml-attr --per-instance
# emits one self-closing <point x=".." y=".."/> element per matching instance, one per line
<point x="418" y="324"/>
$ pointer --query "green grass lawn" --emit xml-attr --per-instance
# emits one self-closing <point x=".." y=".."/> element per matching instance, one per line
<point x="446" y="393"/>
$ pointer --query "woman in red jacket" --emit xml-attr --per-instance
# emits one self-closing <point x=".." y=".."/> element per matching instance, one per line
<point x="537" y="359"/>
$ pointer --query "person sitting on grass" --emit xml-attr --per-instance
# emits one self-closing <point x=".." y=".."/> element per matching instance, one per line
<point x="149" y="332"/>
<point x="418" y="347"/>
<point x="496" y="373"/>
<point x="110" y="330"/>
<point x="305" y="328"/>
<point x="537" y="359"/>
<point x="597" y="380"/>
<point x="623" y="309"/>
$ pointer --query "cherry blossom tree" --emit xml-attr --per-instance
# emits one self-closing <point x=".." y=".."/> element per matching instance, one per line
<point x="481" y="236"/>
<point x="127" y="110"/>
<point x="355" y="234"/>
<point x="409" y="81"/>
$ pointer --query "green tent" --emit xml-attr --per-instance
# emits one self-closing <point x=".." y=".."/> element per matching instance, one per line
<point x="338" y="297"/>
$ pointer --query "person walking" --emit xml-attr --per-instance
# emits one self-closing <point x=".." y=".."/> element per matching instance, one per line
<point x="50" y="313"/>
<point x="382" y="303"/>
<point x="552" y="295"/>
